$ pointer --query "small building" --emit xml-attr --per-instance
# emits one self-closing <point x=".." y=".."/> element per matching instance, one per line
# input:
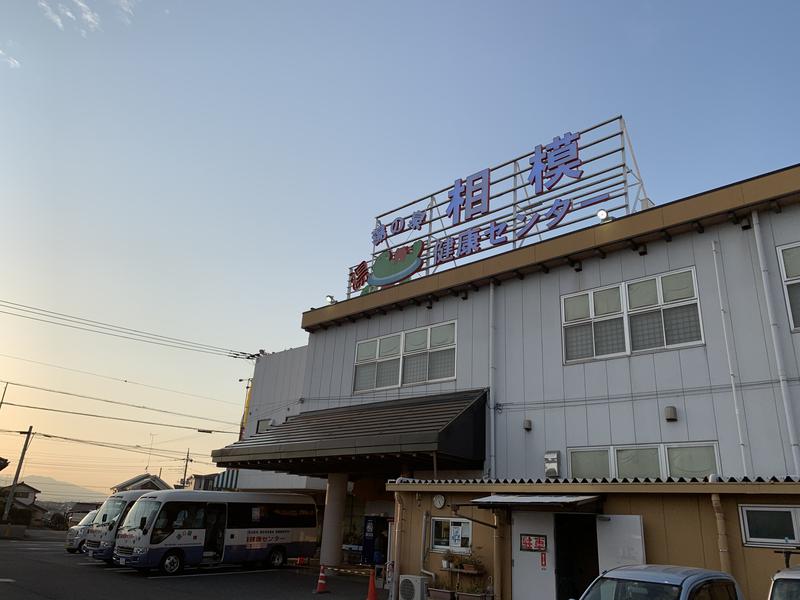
<point x="145" y="481"/>
<point x="624" y="378"/>
<point x="24" y="503"/>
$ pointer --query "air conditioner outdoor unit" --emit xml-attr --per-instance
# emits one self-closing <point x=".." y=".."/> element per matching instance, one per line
<point x="413" y="587"/>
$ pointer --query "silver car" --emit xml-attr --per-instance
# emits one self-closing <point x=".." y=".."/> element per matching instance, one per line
<point x="76" y="535"/>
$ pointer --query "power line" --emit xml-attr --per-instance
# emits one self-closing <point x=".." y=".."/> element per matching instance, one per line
<point x="92" y="326"/>
<point x="120" y="379"/>
<point x="82" y="414"/>
<point x="117" y="402"/>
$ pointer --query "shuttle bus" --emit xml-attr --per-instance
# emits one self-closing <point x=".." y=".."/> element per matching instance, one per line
<point x="102" y="532"/>
<point x="172" y="529"/>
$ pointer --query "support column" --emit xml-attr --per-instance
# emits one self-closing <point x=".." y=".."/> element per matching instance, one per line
<point x="335" y="497"/>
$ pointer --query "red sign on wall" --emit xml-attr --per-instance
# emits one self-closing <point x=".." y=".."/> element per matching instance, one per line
<point x="531" y="542"/>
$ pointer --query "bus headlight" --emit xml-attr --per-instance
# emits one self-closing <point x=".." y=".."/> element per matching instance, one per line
<point x="105" y="544"/>
<point x="139" y="550"/>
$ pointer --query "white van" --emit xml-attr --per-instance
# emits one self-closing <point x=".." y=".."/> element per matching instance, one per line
<point x="171" y="529"/>
<point x="785" y="585"/>
<point x="76" y="535"/>
<point x="103" y="530"/>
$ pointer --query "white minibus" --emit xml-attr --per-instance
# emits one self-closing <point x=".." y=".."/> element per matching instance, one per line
<point x="100" y="537"/>
<point x="172" y="529"/>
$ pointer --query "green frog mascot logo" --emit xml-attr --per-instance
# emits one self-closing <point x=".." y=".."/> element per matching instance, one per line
<point x="393" y="267"/>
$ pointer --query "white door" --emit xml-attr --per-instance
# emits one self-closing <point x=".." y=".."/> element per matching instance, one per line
<point x="533" y="570"/>
<point x="620" y="541"/>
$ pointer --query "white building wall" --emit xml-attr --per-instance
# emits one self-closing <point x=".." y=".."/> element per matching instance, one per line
<point x="604" y="402"/>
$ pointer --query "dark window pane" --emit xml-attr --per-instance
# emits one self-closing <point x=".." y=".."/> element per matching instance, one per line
<point x="682" y="324"/>
<point x="770" y="524"/>
<point x="646" y="331"/>
<point x="609" y="337"/>
<point x="578" y="341"/>
<point x="794" y="302"/>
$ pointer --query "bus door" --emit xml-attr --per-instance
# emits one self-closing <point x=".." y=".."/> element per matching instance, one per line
<point x="214" y="543"/>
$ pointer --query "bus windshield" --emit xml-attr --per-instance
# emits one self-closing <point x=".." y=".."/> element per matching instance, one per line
<point x="88" y="519"/>
<point x="109" y="512"/>
<point x="142" y="509"/>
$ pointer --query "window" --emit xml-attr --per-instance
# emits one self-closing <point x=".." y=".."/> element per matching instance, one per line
<point x="764" y="525"/>
<point x="589" y="464"/>
<point x="407" y="358"/>
<point x="242" y="515"/>
<point x="716" y="589"/>
<point x="638" y="462"/>
<point x="789" y="258"/>
<point x="656" y="312"/>
<point x="655" y="460"/>
<point x="451" y="534"/>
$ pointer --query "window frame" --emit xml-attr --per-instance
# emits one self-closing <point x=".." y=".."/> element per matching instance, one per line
<point x="786" y="282"/>
<point x="402" y="354"/>
<point x="448" y="548"/>
<point x="750" y="541"/>
<point x="626" y="312"/>
<point x="663" y="455"/>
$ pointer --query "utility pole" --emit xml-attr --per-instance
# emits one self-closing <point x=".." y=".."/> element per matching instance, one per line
<point x="3" y="397"/>
<point x="10" y="499"/>
<point x="185" y="468"/>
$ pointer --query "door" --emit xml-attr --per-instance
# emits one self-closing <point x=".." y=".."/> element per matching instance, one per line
<point x="620" y="541"/>
<point x="214" y="523"/>
<point x="575" y="553"/>
<point x="533" y="556"/>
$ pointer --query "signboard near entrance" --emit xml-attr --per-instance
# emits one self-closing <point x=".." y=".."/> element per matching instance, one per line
<point x="532" y="542"/>
<point x="557" y="186"/>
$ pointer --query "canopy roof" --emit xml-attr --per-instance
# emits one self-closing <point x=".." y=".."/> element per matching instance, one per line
<point x="381" y="438"/>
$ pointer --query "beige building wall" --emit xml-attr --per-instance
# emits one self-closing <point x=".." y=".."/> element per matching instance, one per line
<point x="679" y="529"/>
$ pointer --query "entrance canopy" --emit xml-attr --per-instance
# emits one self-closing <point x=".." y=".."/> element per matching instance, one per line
<point x="445" y="431"/>
<point x="521" y="502"/>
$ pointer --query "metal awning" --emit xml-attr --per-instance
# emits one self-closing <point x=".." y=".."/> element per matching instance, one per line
<point x="549" y="501"/>
<point x="380" y="438"/>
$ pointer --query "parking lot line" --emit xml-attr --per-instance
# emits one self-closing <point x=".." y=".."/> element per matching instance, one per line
<point x="206" y="574"/>
<point x="8" y="580"/>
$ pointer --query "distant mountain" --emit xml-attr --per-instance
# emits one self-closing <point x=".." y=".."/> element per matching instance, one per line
<point x="55" y="490"/>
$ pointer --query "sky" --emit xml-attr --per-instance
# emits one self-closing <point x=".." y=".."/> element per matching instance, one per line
<point x="209" y="170"/>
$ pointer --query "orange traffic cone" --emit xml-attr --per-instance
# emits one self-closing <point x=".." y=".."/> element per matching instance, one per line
<point x="322" y="582"/>
<point x="372" y="593"/>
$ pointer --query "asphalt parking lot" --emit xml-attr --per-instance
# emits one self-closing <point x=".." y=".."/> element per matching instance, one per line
<point x="40" y="568"/>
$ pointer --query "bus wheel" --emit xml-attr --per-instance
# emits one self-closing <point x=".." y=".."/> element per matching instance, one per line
<point x="172" y="563"/>
<point x="277" y="558"/>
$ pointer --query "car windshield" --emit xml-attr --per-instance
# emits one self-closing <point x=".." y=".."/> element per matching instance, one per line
<point x="88" y="518"/>
<point x="627" y="589"/>
<point x="146" y="509"/>
<point x="109" y="512"/>
<point x="786" y="589"/>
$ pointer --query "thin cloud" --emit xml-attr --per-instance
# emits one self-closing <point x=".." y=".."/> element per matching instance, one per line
<point x="88" y="16"/>
<point x="50" y="14"/>
<point x="66" y="12"/>
<point x="12" y="62"/>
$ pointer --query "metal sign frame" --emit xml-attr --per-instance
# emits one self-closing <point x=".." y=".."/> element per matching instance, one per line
<point x="555" y="188"/>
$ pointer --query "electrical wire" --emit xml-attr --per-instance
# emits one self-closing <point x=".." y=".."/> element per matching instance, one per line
<point x="107" y="417"/>
<point x="119" y="379"/>
<point x="117" y="402"/>
<point x="92" y="326"/>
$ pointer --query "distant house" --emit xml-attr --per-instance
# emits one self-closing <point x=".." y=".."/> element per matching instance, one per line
<point x="24" y="503"/>
<point x="205" y="482"/>
<point x="144" y="481"/>
<point x="78" y="510"/>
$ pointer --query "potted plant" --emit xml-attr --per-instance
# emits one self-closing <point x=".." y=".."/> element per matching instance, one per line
<point x="472" y="564"/>
<point x="440" y="594"/>
<point x="447" y="559"/>
<point x="473" y="591"/>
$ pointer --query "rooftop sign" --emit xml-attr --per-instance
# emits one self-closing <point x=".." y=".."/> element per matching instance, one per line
<point x="558" y="186"/>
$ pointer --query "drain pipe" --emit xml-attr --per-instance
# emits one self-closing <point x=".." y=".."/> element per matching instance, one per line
<point x="722" y="529"/>
<point x="788" y="409"/>
<point x="737" y="408"/>
<point x="492" y="369"/>
<point x="424" y="553"/>
<point x="398" y="527"/>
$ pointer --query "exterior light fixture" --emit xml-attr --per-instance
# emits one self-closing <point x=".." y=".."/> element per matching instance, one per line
<point x="603" y="215"/>
<point x="330" y="299"/>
